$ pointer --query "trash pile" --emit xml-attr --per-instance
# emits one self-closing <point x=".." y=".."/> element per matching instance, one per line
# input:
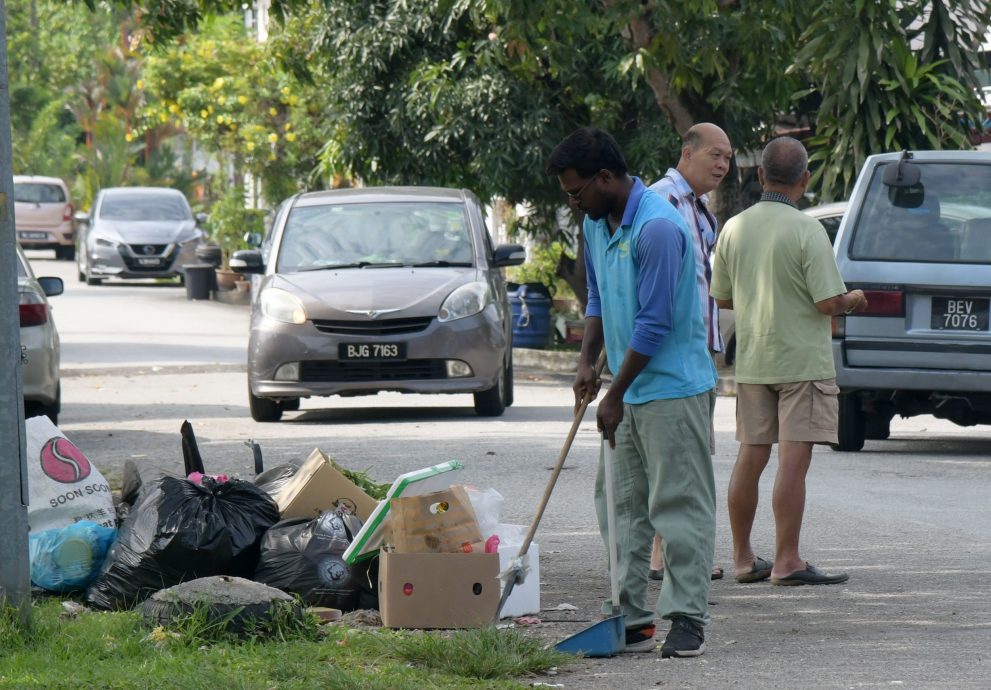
<point x="427" y="555"/>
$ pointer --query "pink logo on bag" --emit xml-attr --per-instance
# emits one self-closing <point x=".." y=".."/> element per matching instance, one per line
<point x="63" y="462"/>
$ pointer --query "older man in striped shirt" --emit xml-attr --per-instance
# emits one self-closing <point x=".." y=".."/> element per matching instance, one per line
<point x="705" y="160"/>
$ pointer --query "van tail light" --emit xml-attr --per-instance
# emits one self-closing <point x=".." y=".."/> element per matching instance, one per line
<point x="839" y="326"/>
<point x="33" y="309"/>
<point x="884" y="303"/>
<point x="68" y="212"/>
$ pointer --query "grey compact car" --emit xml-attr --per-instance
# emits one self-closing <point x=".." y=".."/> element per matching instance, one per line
<point x="40" y="351"/>
<point x="379" y="289"/>
<point x="917" y="240"/>
<point x="137" y="232"/>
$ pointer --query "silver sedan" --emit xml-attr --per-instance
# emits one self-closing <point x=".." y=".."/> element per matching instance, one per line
<point x="39" y="342"/>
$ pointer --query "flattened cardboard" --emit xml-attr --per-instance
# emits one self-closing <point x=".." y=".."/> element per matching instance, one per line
<point x="318" y="486"/>
<point x="438" y="590"/>
<point x="366" y="543"/>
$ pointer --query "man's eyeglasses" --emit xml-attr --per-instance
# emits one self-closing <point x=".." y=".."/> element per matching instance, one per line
<point x="577" y="196"/>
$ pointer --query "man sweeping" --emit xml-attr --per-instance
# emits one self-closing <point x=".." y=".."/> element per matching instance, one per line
<point x="643" y="307"/>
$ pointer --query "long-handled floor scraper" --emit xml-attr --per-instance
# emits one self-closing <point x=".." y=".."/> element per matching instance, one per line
<point x="515" y="573"/>
<point x="608" y="636"/>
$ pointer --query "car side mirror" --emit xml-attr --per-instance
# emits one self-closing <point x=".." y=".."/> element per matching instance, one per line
<point x="903" y="180"/>
<point x="201" y="218"/>
<point x="81" y="217"/>
<point x="247" y="261"/>
<point x="51" y="286"/>
<point x="508" y="255"/>
<point x="253" y="238"/>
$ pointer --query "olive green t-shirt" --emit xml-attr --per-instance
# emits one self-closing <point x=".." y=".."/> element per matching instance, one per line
<point x="775" y="263"/>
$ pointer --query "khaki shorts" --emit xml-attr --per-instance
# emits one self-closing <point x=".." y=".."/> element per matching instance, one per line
<point x="800" y="411"/>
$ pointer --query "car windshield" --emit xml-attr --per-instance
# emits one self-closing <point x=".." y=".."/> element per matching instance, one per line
<point x="144" y="207"/>
<point x="38" y="193"/>
<point x="407" y="233"/>
<point x="945" y="218"/>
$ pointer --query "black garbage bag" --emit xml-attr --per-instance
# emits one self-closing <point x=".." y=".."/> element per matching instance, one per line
<point x="272" y="480"/>
<point x="179" y="531"/>
<point x="305" y="557"/>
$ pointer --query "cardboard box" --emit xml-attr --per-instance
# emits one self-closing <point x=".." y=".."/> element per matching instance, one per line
<point x="438" y="522"/>
<point x="367" y="541"/>
<point x="525" y="598"/>
<point x="438" y="590"/>
<point x="319" y="486"/>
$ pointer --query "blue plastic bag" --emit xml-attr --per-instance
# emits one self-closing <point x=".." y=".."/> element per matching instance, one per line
<point x="68" y="558"/>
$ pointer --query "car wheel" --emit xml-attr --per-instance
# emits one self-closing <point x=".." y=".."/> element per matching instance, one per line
<point x="509" y="381"/>
<point x="263" y="409"/>
<point x="39" y="409"/>
<point x="82" y="277"/>
<point x="492" y="402"/>
<point x="877" y="428"/>
<point x="289" y="405"/>
<point x="851" y="432"/>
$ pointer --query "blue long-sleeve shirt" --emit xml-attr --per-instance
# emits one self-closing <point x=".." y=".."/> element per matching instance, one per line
<point x="641" y="282"/>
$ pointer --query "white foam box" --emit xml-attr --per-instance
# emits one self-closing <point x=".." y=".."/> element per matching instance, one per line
<point x="525" y="598"/>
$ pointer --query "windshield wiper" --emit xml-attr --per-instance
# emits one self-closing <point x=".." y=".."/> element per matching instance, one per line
<point x="441" y="263"/>
<point x="356" y="264"/>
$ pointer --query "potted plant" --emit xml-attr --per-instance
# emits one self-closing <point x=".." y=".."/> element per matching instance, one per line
<point x="230" y="222"/>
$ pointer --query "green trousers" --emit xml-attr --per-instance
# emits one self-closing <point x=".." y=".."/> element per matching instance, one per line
<point x="663" y="478"/>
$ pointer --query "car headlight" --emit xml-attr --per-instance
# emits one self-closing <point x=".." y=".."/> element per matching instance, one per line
<point x="283" y="306"/>
<point x="101" y="242"/>
<point x="467" y="300"/>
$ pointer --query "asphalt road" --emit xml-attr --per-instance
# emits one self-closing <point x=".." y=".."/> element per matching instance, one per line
<point x="908" y="518"/>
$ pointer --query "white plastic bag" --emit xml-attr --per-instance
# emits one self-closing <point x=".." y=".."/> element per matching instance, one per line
<point x="64" y="487"/>
<point x="487" y="504"/>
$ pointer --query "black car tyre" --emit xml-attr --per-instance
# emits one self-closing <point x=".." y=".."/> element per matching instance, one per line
<point x="492" y="402"/>
<point x="263" y="409"/>
<point x="509" y="381"/>
<point x="39" y="409"/>
<point x="851" y="432"/>
<point x="82" y="277"/>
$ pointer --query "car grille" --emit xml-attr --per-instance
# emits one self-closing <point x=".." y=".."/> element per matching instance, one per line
<point x="384" y="327"/>
<point x="139" y="249"/>
<point x="410" y="370"/>
<point x="134" y="265"/>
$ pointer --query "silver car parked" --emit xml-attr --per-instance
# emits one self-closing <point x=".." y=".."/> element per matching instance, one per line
<point x="39" y="342"/>
<point x="137" y="232"/>
<point x="917" y="240"/>
<point x="376" y="289"/>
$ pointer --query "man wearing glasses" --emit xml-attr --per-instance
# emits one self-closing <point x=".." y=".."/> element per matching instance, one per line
<point x="643" y="307"/>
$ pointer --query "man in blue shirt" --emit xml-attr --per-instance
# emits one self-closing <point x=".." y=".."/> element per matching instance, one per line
<point x="643" y="307"/>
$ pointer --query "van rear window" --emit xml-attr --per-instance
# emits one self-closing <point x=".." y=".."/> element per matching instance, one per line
<point x="945" y="219"/>
<point x="38" y="193"/>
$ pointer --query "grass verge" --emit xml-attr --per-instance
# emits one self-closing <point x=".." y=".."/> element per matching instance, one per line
<point x="119" y="650"/>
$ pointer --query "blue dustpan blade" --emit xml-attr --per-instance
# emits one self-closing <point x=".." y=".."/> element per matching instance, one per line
<point x="605" y="638"/>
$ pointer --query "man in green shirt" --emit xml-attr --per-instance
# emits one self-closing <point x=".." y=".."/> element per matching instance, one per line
<point x="774" y="267"/>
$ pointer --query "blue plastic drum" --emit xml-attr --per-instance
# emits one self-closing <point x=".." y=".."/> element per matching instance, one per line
<point x="531" y="306"/>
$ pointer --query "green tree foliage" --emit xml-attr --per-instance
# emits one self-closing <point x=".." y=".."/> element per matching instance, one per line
<point x="892" y="75"/>
<point x="228" y="93"/>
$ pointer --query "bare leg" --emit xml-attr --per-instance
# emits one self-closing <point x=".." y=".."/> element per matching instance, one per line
<point x="794" y="458"/>
<point x="742" y="498"/>
<point x="656" y="554"/>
